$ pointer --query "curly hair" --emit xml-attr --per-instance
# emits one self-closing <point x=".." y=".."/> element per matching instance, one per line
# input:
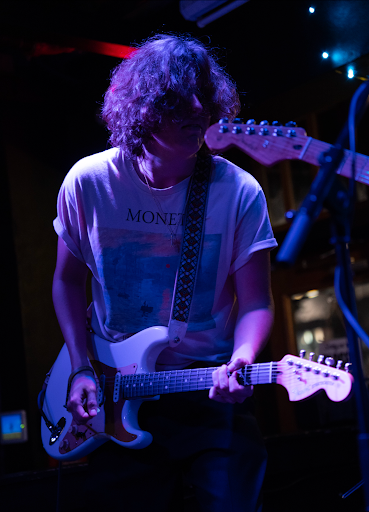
<point x="158" y="83"/>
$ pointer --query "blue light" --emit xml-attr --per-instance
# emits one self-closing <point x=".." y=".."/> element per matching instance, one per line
<point x="325" y="55"/>
<point x="350" y="73"/>
<point x="311" y="10"/>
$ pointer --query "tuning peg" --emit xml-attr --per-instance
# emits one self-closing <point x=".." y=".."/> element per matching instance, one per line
<point x="291" y="124"/>
<point x="276" y="123"/>
<point x="329" y="361"/>
<point x="302" y="353"/>
<point x="250" y="130"/>
<point x="278" y="132"/>
<point x="264" y="123"/>
<point x="291" y="133"/>
<point x="347" y="367"/>
<point x="237" y="120"/>
<point x="264" y="131"/>
<point x="223" y="129"/>
<point x="250" y="121"/>
<point x="339" y="364"/>
<point x="223" y="120"/>
<point x="311" y="356"/>
<point x="236" y="129"/>
<point x="320" y="359"/>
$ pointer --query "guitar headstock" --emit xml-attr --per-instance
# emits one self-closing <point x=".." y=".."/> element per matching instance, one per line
<point x="302" y="378"/>
<point x="267" y="144"/>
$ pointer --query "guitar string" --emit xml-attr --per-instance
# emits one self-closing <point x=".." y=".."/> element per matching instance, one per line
<point x="194" y="373"/>
<point x="263" y="370"/>
<point x="157" y="388"/>
<point x="200" y="374"/>
<point x="287" y="382"/>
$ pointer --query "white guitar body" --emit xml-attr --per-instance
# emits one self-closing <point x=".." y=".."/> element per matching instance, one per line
<point x="116" y="420"/>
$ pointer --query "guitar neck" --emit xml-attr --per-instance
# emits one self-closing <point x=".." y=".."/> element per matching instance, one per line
<point x="178" y="381"/>
<point x="316" y="148"/>
<point x="269" y="145"/>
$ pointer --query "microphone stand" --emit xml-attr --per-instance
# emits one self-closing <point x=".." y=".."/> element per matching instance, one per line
<point x="328" y="191"/>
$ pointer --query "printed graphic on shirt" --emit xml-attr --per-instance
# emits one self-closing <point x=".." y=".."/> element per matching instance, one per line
<point x="150" y="217"/>
<point x="137" y="273"/>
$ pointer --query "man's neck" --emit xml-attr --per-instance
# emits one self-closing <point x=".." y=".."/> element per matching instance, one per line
<point x="164" y="172"/>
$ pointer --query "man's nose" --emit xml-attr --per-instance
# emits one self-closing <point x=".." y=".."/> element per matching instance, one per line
<point x="196" y="104"/>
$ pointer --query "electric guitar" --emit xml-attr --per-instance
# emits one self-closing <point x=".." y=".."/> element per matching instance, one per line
<point x="125" y="375"/>
<point x="269" y="145"/>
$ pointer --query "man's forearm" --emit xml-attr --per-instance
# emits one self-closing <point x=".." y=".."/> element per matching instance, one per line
<point x="252" y="333"/>
<point x="70" y="307"/>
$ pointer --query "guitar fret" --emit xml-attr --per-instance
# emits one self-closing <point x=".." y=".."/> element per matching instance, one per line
<point x="347" y="156"/>
<point x="304" y="149"/>
<point x="143" y="386"/>
<point x="160" y="382"/>
<point x="363" y="174"/>
<point x="274" y="372"/>
<point x="316" y="148"/>
<point x="345" y="168"/>
<point x="185" y="381"/>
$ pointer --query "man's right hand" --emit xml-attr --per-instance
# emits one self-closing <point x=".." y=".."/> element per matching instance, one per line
<point x="82" y="402"/>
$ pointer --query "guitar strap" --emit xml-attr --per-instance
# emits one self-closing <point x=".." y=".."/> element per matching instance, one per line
<point x="190" y="251"/>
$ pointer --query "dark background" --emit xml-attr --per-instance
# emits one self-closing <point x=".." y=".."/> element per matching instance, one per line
<point x="51" y="92"/>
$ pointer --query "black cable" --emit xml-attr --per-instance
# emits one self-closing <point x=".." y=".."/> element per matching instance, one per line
<point x="58" y="487"/>
<point x="345" y="310"/>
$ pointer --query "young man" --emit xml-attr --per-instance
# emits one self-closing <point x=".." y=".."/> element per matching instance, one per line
<point x="121" y="216"/>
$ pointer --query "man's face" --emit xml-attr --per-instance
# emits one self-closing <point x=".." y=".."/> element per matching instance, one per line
<point x="185" y="137"/>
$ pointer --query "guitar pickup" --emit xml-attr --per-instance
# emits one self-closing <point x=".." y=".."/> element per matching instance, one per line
<point x="117" y="386"/>
<point x="101" y="391"/>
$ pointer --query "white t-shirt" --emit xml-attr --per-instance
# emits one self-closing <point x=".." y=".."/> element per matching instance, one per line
<point x="109" y="219"/>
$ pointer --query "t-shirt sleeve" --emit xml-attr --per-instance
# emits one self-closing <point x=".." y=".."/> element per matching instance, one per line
<point x="253" y="231"/>
<point x="69" y="223"/>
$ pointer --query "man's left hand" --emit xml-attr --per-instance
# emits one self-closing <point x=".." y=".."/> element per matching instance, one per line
<point x="227" y="389"/>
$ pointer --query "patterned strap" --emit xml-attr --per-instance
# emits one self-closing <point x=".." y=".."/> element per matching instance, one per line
<point x="190" y="252"/>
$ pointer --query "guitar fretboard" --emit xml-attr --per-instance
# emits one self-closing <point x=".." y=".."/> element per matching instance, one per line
<point x="177" y="381"/>
<point x="316" y="148"/>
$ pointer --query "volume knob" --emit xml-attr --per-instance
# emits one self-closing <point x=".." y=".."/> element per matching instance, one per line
<point x="73" y="429"/>
<point x="64" y="445"/>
